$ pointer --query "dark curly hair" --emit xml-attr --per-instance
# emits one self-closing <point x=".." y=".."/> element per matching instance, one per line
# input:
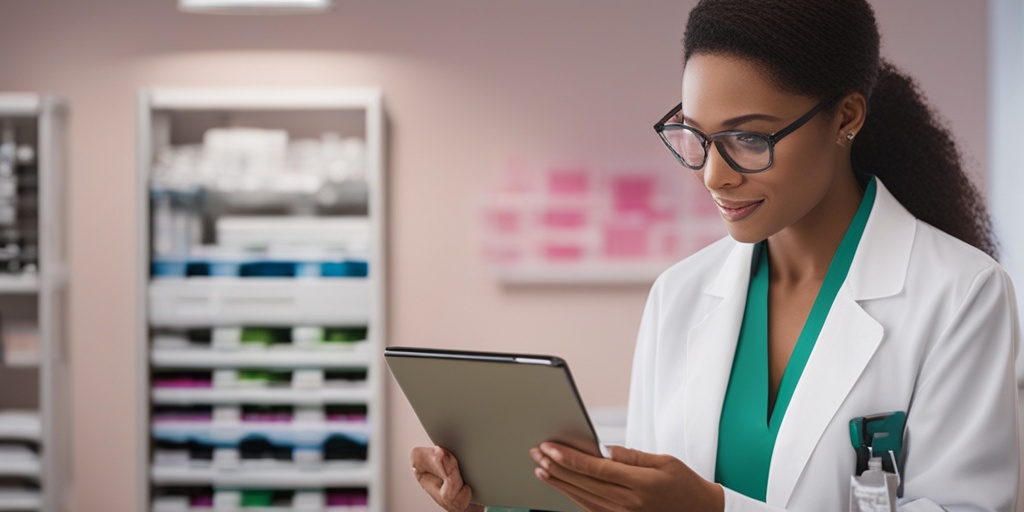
<point x="821" y="48"/>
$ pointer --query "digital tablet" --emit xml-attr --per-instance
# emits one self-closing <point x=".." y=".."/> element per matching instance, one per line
<point x="489" y="409"/>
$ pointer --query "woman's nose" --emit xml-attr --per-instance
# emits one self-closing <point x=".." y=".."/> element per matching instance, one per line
<point x="717" y="172"/>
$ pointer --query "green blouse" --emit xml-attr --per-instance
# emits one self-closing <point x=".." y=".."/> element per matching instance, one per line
<point x="747" y="432"/>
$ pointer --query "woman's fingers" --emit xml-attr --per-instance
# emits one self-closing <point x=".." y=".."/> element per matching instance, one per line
<point x="444" y="465"/>
<point x="430" y="483"/>
<point x="576" y="470"/>
<point x="575" y="461"/>
<point x="630" y="480"/>
<point x="430" y="459"/>
<point x="437" y="472"/>
<point x="584" y="498"/>
<point x="462" y="500"/>
<point x="459" y="503"/>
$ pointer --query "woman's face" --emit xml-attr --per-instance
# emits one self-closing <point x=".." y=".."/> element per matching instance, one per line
<point x="726" y="93"/>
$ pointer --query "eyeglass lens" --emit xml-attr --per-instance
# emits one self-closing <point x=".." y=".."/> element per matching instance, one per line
<point x="749" y="151"/>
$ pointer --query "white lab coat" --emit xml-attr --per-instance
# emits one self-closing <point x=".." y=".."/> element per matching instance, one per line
<point x="924" y="324"/>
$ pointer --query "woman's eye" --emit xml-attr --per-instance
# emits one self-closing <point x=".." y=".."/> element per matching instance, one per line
<point x="750" y="140"/>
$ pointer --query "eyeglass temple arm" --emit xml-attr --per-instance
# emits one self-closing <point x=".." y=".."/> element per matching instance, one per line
<point x="661" y="124"/>
<point x="803" y="120"/>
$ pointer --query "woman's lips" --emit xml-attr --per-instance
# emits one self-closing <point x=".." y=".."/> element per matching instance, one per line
<point x="734" y="211"/>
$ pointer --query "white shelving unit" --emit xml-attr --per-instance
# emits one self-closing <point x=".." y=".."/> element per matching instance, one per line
<point x="171" y="119"/>
<point x="228" y="301"/>
<point x="20" y="501"/>
<point x="241" y="429"/>
<point x="262" y="396"/>
<point x="348" y="475"/>
<point x="31" y="468"/>
<point x="20" y="426"/>
<point x="35" y="407"/>
<point x="19" y="284"/>
<point x="339" y="358"/>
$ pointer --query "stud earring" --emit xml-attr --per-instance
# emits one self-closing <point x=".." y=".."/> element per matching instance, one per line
<point x="849" y="136"/>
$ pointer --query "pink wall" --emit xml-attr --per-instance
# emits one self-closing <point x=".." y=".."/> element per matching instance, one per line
<point x="466" y="84"/>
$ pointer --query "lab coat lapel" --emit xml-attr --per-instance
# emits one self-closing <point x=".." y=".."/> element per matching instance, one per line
<point x="846" y="344"/>
<point x="711" y="345"/>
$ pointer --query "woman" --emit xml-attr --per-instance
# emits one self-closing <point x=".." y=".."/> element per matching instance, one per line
<point x="855" y="281"/>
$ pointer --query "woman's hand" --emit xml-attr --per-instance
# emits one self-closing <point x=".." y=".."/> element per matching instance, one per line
<point x="437" y="472"/>
<point x="628" y="480"/>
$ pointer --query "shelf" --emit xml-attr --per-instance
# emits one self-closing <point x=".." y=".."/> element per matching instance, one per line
<point x="19" y="104"/>
<point x="572" y="274"/>
<point x="253" y="98"/>
<point x="261" y="231"/>
<point x="348" y="356"/>
<point x="199" y="301"/>
<point x="11" y="284"/>
<point x="307" y="433"/>
<point x="344" y="475"/>
<point x="349" y="197"/>
<point x="278" y="266"/>
<point x="353" y="395"/>
<point x="20" y="500"/>
<point x="20" y="468"/>
<point x="20" y="426"/>
<point x="354" y="508"/>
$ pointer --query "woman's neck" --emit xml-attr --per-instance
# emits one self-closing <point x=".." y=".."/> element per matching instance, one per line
<point x="803" y="251"/>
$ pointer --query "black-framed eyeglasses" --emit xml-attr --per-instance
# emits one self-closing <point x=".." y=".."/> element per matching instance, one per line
<point x="746" y="152"/>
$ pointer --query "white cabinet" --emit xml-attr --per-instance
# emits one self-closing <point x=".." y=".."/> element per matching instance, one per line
<point x="261" y="266"/>
<point x="35" y="428"/>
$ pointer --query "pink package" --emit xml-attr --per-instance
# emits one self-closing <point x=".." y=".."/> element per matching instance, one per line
<point x="564" y="218"/>
<point x="568" y="181"/>
<point x="562" y="252"/>
<point x="633" y="194"/>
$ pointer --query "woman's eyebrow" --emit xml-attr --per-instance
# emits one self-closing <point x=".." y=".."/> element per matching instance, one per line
<point x="736" y="121"/>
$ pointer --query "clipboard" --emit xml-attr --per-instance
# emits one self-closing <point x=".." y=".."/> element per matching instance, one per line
<point x="489" y="409"/>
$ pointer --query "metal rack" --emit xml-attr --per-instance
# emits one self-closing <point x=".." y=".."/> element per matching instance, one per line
<point x="219" y="307"/>
<point x="35" y="407"/>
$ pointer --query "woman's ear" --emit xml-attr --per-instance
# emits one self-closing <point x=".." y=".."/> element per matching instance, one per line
<point x="850" y="114"/>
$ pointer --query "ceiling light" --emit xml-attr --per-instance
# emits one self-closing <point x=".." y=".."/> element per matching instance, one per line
<point x="255" y="6"/>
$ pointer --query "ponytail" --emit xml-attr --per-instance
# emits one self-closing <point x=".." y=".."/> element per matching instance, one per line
<point x="904" y="143"/>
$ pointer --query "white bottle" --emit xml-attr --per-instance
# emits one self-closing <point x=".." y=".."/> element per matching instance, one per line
<point x="874" y="490"/>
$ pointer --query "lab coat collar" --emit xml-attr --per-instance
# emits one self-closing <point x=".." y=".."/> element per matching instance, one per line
<point x="879" y="268"/>
<point x="847" y="341"/>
